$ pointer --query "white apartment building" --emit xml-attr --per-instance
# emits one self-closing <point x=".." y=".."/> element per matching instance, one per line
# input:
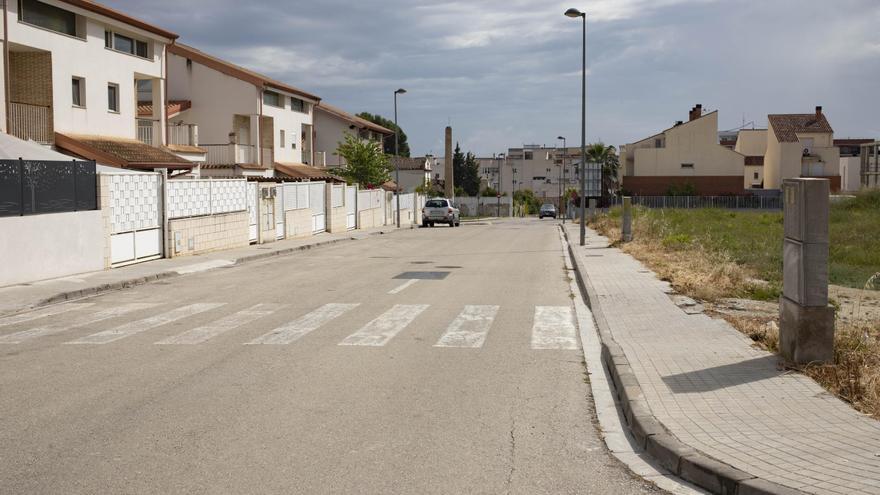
<point x="248" y="124"/>
<point x="544" y="170"/>
<point x="75" y="72"/>
<point x="331" y="126"/>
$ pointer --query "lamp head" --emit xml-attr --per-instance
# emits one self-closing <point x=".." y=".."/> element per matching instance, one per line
<point x="574" y="13"/>
<point x="400" y="91"/>
<point x="561" y="138"/>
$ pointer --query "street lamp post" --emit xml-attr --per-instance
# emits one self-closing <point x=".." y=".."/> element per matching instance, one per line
<point x="498" y="192"/>
<point x="563" y="206"/>
<point x="574" y="13"/>
<point x="396" y="157"/>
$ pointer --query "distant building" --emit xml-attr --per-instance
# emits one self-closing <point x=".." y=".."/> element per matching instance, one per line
<point x="850" y="163"/>
<point x="800" y="145"/>
<point x="752" y="143"/>
<point x="870" y="168"/>
<point x="414" y="172"/>
<point x="687" y="155"/>
<point x="331" y="126"/>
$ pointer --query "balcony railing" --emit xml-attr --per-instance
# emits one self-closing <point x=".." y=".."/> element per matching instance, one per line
<point x="31" y="122"/>
<point x="148" y="131"/>
<point x="320" y="159"/>
<point x="183" y="135"/>
<point x="229" y="154"/>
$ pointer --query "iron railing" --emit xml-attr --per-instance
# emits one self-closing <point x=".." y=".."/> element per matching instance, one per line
<point x="34" y="187"/>
<point x="756" y="202"/>
<point x="229" y="154"/>
<point x="31" y="122"/>
<point x="147" y="131"/>
<point x="183" y="135"/>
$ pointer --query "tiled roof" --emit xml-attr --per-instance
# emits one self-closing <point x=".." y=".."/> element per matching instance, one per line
<point x="754" y="160"/>
<point x="236" y="71"/>
<point x="353" y="118"/>
<point x="182" y="148"/>
<point x="121" y="152"/>
<point x="407" y="163"/>
<point x="300" y="171"/>
<point x="852" y="142"/>
<point x="173" y="108"/>
<point x="119" y="16"/>
<point x="787" y="126"/>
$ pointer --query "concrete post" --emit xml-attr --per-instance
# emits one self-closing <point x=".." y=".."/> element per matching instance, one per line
<point x="806" y="323"/>
<point x="449" y="180"/>
<point x="626" y="228"/>
<point x="592" y="205"/>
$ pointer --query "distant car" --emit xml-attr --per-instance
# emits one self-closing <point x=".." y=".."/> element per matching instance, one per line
<point x="547" y="210"/>
<point x="440" y="210"/>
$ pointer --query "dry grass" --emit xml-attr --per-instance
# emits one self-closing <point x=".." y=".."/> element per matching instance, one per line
<point x="709" y="275"/>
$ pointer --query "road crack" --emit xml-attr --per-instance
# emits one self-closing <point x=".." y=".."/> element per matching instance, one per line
<point x="512" y="453"/>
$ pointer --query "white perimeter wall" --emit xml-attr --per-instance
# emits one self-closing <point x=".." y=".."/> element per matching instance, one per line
<point x="38" y="247"/>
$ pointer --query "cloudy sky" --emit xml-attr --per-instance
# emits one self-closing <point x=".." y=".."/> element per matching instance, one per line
<point x="507" y="72"/>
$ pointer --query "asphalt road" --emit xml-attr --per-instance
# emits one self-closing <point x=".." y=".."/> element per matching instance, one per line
<point x="316" y="373"/>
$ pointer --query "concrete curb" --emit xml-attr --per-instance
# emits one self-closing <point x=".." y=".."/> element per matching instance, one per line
<point x="679" y="458"/>
<point x="136" y="281"/>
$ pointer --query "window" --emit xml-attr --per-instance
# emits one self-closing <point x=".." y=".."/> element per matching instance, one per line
<point x="47" y="16"/>
<point x="273" y="98"/>
<point x="756" y="175"/>
<point x="529" y="155"/>
<point x="658" y="143"/>
<point x="113" y="97"/>
<point x="281" y="137"/>
<point x="126" y="44"/>
<point x="297" y="105"/>
<point x="78" y="85"/>
<point x="687" y="165"/>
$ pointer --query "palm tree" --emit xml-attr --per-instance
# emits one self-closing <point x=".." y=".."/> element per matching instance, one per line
<point x="607" y="156"/>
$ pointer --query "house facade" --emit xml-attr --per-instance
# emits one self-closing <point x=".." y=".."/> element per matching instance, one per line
<point x="331" y="126"/>
<point x="800" y="145"/>
<point x="687" y="155"/>
<point x="414" y="172"/>
<point x="870" y="165"/>
<point x="752" y="143"/>
<point x="75" y="72"/>
<point x="247" y="122"/>
<point x="851" y="163"/>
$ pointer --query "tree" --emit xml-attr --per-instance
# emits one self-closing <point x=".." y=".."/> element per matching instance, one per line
<point x="365" y="163"/>
<point x="607" y="156"/>
<point x="388" y="144"/>
<point x="466" y="172"/>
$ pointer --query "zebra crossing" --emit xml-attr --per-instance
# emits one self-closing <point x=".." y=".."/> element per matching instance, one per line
<point x="552" y="327"/>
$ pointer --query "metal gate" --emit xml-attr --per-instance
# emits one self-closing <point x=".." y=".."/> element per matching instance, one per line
<point x="318" y="205"/>
<point x="135" y="218"/>
<point x="351" y="207"/>
<point x="279" y="212"/>
<point x="253" y="192"/>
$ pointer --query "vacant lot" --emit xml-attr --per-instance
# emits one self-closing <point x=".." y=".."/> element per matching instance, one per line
<point x="724" y="256"/>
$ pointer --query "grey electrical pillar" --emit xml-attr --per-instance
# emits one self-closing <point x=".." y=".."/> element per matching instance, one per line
<point x="806" y="323"/>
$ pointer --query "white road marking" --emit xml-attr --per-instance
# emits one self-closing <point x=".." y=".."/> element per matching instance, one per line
<point x="469" y="328"/>
<point x="41" y="313"/>
<point x="379" y="331"/>
<point x="554" y="328"/>
<point x="135" y="327"/>
<point x="403" y="286"/>
<point x="223" y="325"/>
<point x="204" y="266"/>
<point x="304" y="325"/>
<point x="18" y="337"/>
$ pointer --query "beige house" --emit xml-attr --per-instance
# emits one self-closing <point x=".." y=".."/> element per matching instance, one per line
<point x="331" y="126"/>
<point x="687" y="154"/>
<point x="752" y="143"/>
<point x="800" y="145"/>
<point x="414" y="172"/>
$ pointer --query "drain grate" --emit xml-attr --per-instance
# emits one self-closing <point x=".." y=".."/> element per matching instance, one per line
<point x="422" y="275"/>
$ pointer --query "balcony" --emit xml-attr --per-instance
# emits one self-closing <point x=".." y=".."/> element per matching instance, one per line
<point x="229" y="154"/>
<point x="183" y="135"/>
<point x="149" y="132"/>
<point x="31" y="122"/>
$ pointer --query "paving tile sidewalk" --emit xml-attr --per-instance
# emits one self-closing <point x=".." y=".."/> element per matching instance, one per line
<point x="20" y="297"/>
<point x="715" y="392"/>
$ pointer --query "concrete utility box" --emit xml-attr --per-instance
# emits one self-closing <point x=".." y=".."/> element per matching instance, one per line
<point x="626" y="224"/>
<point x="806" y="330"/>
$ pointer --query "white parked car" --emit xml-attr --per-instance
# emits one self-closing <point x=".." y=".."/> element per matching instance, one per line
<point x="440" y="210"/>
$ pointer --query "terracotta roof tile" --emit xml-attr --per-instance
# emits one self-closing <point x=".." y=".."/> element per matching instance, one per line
<point x="119" y="16"/>
<point x="787" y="126"/>
<point x="300" y="171"/>
<point x="406" y="163"/>
<point x="128" y="153"/>
<point x="353" y="118"/>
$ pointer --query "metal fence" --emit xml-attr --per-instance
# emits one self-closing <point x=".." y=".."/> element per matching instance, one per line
<point x="34" y="187"/>
<point x="762" y="202"/>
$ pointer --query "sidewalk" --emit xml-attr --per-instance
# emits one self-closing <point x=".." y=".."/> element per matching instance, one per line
<point x="708" y="405"/>
<point x="20" y="297"/>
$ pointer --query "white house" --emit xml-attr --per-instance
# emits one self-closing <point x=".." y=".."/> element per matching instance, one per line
<point x="331" y="126"/>
<point x="248" y="123"/>
<point x="76" y="71"/>
<point x="414" y="172"/>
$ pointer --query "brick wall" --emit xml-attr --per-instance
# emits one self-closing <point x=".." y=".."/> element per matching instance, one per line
<point x="30" y="78"/>
<point x="706" y="185"/>
<point x="298" y="223"/>
<point x="204" y="234"/>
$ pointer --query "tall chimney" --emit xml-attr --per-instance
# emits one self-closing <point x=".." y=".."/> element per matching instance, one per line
<point x="818" y="112"/>
<point x="696" y="112"/>
<point x="447" y="168"/>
